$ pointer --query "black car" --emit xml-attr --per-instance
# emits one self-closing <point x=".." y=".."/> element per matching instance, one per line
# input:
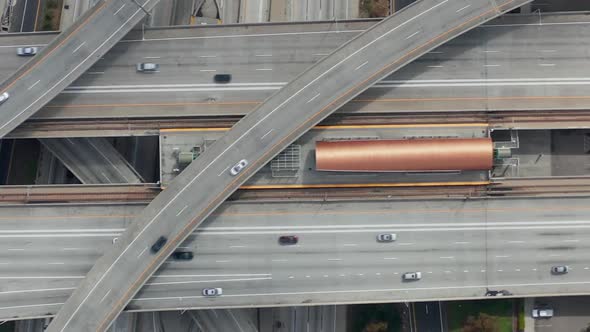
<point x="502" y="292"/>
<point x="288" y="239"/>
<point x="183" y="255"/>
<point x="222" y="78"/>
<point x="160" y="242"/>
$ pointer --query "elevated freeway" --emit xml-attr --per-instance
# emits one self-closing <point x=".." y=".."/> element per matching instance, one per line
<point x="492" y="62"/>
<point x="205" y="184"/>
<point x="46" y="250"/>
<point x="67" y="56"/>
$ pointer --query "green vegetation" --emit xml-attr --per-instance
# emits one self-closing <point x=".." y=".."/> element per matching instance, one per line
<point x="50" y="15"/>
<point x="488" y="316"/>
<point x="374" y="318"/>
<point x="521" y="324"/>
<point x="373" y="8"/>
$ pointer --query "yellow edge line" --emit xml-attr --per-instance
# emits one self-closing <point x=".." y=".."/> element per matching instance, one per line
<point x="429" y="125"/>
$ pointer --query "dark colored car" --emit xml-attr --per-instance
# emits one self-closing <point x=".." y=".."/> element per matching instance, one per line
<point x="288" y="239"/>
<point x="502" y="292"/>
<point x="222" y="78"/>
<point x="160" y="242"/>
<point x="183" y="255"/>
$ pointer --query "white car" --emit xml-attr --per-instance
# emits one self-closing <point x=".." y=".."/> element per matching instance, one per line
<point x="212" y="291"/>
<point x="147" y="67"/>
<point x="238" y="167"/>
<point x="4" y="97"/>
<point x="386" y="237"/>
<point x="542" y="313"/>
<point x="412" y="276"/>
<point x="26" y="51"/>
<point x="560" y="269"/>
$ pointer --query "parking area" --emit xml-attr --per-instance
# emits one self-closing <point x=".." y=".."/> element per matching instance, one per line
<point x="571" y="313"/>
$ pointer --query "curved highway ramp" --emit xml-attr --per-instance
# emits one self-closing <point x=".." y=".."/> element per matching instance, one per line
<point x="255" y="140"/>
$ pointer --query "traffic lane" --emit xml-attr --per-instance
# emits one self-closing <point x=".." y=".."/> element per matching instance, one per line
<point x="570" y="313"/>
<point x="82" y="44"/>
<point x="428" y="316"/>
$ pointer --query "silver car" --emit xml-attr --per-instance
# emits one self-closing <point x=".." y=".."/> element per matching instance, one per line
<point x="26" y="51"/>
<point x="147" y="67"/>
<point x="412" y="276"/>
<point x="4" y="97"/>
<point x="238" y="167"/>
<point x="560" y="269"/>
<point x="386" y="237"/>
<point x="212" y="291"/>
<point x="542" y="313"/>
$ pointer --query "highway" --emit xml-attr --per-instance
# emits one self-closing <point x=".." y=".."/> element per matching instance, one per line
<point x="46" y="250"/>
<point x="492" y="63"/>
<point x="205" y="184"/>
<point x="68" y="56"/>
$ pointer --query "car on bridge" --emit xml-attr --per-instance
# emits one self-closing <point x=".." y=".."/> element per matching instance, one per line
<point x="160" y="242"/>
<point x="26" y="51"/>
<point x="4" y="97"/>
<point x="238" y="167"/>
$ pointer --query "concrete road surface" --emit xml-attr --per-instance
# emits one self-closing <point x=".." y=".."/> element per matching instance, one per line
<point x="65" y="58"/>
<point x="571" y="313"/>
<point x="252" y="142"/>
<point x="427" y="317"/>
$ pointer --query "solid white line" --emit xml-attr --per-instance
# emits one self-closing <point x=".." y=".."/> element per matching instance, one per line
<point x="15" y="249"/>
<point x="118" y="10"/>
<point x="37" y="290"/>
<point x="320" y="54"/>
<point x="435" y="66"/>
<point x="106" y="177"/>
<point x="412" y="35"/>
<point x="152" y="57"/>
<point x="223" y="261"/>
<point x="42" y="277"/>
<point x="462" y="9"/>
<point x="70" y="249"/>
<point x="390" y="258"/>
<point x="207" y="70"/>
<point x="205" y="281"/>
<point x="361" y="66"/>
<point x="223" y="171"/>
<point x="237" y="246"/>
<point x="77" y="48"/>
<point x="571" y="240"/>
<point x="56" y="263"/>
<point x="105" y="296"/>
<point x="314" y="97"/>
<point x="210" y="275"/>
<point x="500" y="270"/>
<point x="179" y="212"/>
<point x="491" y="51"/>
<point x="264" y="69"/>
<point x="516" y="242"/>
<point x="447" y="257"/>
<point x="491" y="65"/>
<point x="263" y="55"/>
<point x="141" y="253"/>
<point x="34" y="85"/>
<point x="547" y="64"/>
<point x="335" y="259"/>
<point x="270" y="131"/>
<point x="462" y="242"/>
<point x="207" y="56"/>
<point x="503" y="256"/>
<point x="278" y="260"/>
<point x="547" y="51"/>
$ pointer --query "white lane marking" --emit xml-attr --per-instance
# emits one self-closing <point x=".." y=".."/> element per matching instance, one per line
<point x="405" y="244"/>
<point x="447" y="257"/>
<point x="517" y="270"/>
<point x="586" y="268"/>
<point x="412" y="35"/>
<point x="118" y="10"/>
<point x="491" y="65"/>
<point x="462" y="9"/>
<point x="435" y="66"/>
<point x="263" y="55"/>
<point x="447" y="271"/>
<point x="547" y="51"/>
<point x="71" y="249"/>
<point x="488" y="51"/>
<point x="106" y="177"/>
<point x="152" y="57"/>
<point x="466" y="271"/>
<point x="482" y="271"/>
<point x="263" y="69"/>
<point x="78" y="48"/>
<point x="308" y="276"/>
<point x="142" y="252"/>
<point x="462" y="242"/>
<point x="534" y="269"/>
<point x="320" y="54"/>
<point x="180" y="192"/>
<point x="500" y="270"/>
<point x="378" y="273"/>
<point x="95" y="72"/>
<point x="571" y="240"/>
<point x="361" y="66"/>
<point x="503" y="256"/>
<point x="16" y="249"/>
<point x="342" y="275"/>
<point x="237" y="246"/>
<point x="390" y="258"/>
<point x="223" y="261"/>
<point x="547" y="64"/>
<point x="207" y="70"/>
<point x="516" y="242"/>
<point x="205" y="281"/>
<point x="220" y="174"/>
<point x="360" y="274"/>
<point x="37" y="290"/>
<point x="278" y="260"/>
<point x="34" y="85"/>
<point x="181" y="211"/>
<point x="554" y="255"/>
<point x="56" y="263"/>
<point x="207" y="56"/>
<point x="267" y="133"/>
<point x="291" y="277"/>
<point x="105" y="296"/>
<point x="325" y="276"/>
<point x="335" y="259"/>
<point x="350" y="244"/>
<point x="314" y="97"/>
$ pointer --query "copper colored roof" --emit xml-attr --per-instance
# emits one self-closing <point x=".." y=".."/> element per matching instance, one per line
<point x="404" y="155"/>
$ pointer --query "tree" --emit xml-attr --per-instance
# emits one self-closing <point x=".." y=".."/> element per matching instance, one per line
<point x="376" y="327"/>
<point x="482" y="323"/>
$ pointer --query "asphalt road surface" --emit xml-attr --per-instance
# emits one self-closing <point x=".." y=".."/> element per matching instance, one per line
<point x="491" y="66"/>
<point x="252" y="142"/>
<point x="65" y="58"/>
